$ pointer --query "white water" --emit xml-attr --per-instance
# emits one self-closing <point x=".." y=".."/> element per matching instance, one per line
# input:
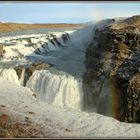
<point x="62" y="90"/>
<point x="57" y="88"/>
<point x="22" y="77"/>
<point x="9" y="75"/>
<point x="19" y="47"/>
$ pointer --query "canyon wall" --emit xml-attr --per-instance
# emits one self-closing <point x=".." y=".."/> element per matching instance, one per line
<point x="112" y="79"/>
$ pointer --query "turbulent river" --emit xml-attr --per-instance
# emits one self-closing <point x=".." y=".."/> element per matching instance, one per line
<point x="61" y="84"/>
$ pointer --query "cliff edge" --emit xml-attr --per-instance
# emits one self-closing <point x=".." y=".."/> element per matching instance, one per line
<point x="113" y="70"/>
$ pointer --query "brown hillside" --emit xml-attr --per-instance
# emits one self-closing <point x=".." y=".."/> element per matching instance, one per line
<point x="10" y="27"/>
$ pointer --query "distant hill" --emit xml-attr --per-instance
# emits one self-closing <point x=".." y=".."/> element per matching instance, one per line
<point x="10" y="27"/>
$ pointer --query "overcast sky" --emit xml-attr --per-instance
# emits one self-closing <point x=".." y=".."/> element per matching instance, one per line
<point x="60" y="12"/>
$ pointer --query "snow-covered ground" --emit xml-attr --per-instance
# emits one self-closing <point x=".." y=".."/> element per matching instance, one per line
<point x="59" y="122"/>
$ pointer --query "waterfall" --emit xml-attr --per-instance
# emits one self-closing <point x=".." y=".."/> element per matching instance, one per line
<point x="10" y="75"/>
<point x="27" y="46"/>
<point x="58" y="89"/>
<point x="22" y="79"/>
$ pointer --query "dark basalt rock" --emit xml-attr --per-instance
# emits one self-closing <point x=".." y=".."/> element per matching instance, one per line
<point x="2" y="51"/>
<point x="65" y="37"/>
<point x="113" y="72"/>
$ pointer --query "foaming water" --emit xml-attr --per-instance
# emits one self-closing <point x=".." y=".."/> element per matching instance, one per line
<point x="10" y="75"/>
<point x="22" y="77"/>
<point x="58" y="89"/>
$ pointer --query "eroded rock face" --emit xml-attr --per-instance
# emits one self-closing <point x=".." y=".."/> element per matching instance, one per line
<point x="112" y="79"/>
<point x="30" y="69"/>
<point x="2" y="51"/>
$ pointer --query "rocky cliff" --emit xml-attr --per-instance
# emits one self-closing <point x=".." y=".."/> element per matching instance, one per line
<point x="113" y="70"/>
<point x="2" y="51"/>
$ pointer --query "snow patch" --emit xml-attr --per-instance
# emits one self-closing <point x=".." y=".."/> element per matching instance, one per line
<point x="61" y="122"/>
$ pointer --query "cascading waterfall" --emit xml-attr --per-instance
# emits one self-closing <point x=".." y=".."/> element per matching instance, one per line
<point x="22" y="47"/>
<point x="22" y="77"/>
<point x="53" y="88"/>
<point x="58" y="89"/>
<point x="10" y="75"/>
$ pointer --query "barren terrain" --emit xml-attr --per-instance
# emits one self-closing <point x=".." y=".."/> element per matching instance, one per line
<point x="11" y="27"/>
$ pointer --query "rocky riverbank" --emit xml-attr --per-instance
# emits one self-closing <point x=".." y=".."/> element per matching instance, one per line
<point x="2" y="51"/>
